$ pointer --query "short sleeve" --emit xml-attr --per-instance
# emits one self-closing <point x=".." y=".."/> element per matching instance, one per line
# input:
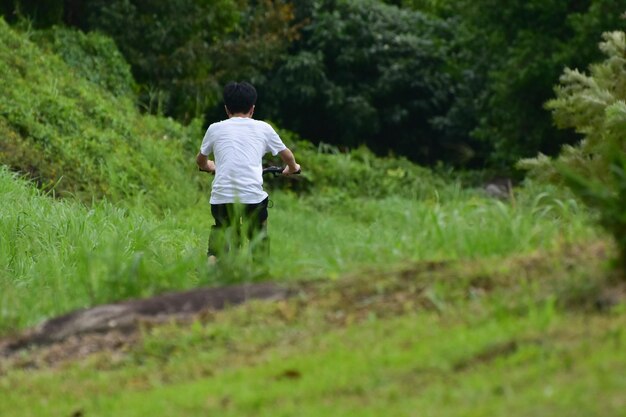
<point x="273" y="142"/>
<point x="207" y="142"/>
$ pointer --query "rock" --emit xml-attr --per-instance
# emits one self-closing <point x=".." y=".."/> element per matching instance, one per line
<point x="125" y="316"/>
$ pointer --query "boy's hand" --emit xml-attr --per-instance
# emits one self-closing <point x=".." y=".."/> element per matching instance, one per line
<point x="208" y="167"/>
<point x="289" y="170"/>
<point x="292" y="166"/>
<point x="205" y="164"/>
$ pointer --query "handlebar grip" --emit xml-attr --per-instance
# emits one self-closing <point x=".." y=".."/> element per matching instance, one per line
<point x="278" y="170"/>
<point x="273" y="170"/>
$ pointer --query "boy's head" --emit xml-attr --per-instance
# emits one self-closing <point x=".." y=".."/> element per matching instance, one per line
<point x="239" y="97"/>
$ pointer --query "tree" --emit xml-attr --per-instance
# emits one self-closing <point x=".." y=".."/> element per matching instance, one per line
<point x="43" y="13"/>
<point x="510" y="53"/>
<point x="365" y="73"/>
<point x="167" y="44"/>
<point x="594" y="106"/>
<point x="180" y="51"/>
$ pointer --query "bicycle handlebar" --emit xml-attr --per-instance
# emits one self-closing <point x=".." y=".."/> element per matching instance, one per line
<point x="274" y="170"/>
<point x="277" y="170"/>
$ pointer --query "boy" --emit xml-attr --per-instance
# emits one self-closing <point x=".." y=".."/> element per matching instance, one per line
<point x="238" y="145"/>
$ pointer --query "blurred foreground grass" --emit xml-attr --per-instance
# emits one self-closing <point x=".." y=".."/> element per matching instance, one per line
<point x="467" y="338"/>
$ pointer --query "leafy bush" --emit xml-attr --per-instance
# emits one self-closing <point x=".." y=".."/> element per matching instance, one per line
<point x="594" y="105"/>
<point x="365" y="73"/>
<point x="508" y="56"/>
<point x="357" y="173"/>
<point x="182" y="51"/>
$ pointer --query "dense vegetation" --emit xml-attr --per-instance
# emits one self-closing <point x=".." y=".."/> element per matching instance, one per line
<point x="72" y="124"/>
<point x="58" y="256"/>
<point x="511" y="54"/>
<point x="593" y="104"/>
<point x="352" y="209"/>
<point x="461" y="82"/>
<point x="374" y="73"/>
<point x="413" y="289"/>
<point x="74" y="135"/>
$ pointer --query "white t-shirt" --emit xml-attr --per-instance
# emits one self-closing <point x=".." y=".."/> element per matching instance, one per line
<point x="238" y="145"/>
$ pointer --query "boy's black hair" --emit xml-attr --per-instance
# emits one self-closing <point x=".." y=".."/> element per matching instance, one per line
<point x="239" y="97"/>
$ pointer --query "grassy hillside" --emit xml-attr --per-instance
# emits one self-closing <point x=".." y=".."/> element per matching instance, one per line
<point x="69" y="121"/>
<point x="75" y="136"/>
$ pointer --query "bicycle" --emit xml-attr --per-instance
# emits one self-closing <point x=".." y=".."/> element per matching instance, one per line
<point x="274" y="170"/>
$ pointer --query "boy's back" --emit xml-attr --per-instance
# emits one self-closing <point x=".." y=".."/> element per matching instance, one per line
<point x="238" y="145"/>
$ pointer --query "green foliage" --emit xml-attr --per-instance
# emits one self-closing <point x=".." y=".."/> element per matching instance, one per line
<point x="79" y="139"/>
<point x="75" y="137"/>
<point x="509" y="55"/>
<point x="435" y="7"/>
<point x="462" y="82"/>
<point x="484" y="71"/>
<point x="609" y="198"/>
<point x="365" y="73"/>
<point x="262" y="38"/>
<point x="593" y="105"/>
<point x="59" y="255"/>
<point x="167" y="45"/>
<point x="93" y="56"/>
<point x="42" y="13"/>
<point x="356" y="173"/>
<point x="182" y="51"/>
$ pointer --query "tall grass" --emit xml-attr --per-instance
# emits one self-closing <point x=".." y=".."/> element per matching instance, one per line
<point x="58" y="255"/>
<point x="343" y="235"/>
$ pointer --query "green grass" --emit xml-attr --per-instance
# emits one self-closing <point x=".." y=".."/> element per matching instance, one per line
<point x="506" y="348"/>
<point x="72" y="135"/>
<point x="59" y="255"/>
<point x="134" y="219"/>
<point x="346" y="233"/>
<point x="503" y="325"/>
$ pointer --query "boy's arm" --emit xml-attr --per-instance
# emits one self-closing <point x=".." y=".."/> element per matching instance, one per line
<point x="292" y="166"/>
<point x="205" y="164"/>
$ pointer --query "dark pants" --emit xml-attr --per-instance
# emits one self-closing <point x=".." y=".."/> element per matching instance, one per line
<point x="234" y="223"/>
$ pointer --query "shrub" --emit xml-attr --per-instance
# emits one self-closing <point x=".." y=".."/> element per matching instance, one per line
<point x="366" y="73"/>
<point x="594" y="105"/>
<point x="358" y="172"/>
